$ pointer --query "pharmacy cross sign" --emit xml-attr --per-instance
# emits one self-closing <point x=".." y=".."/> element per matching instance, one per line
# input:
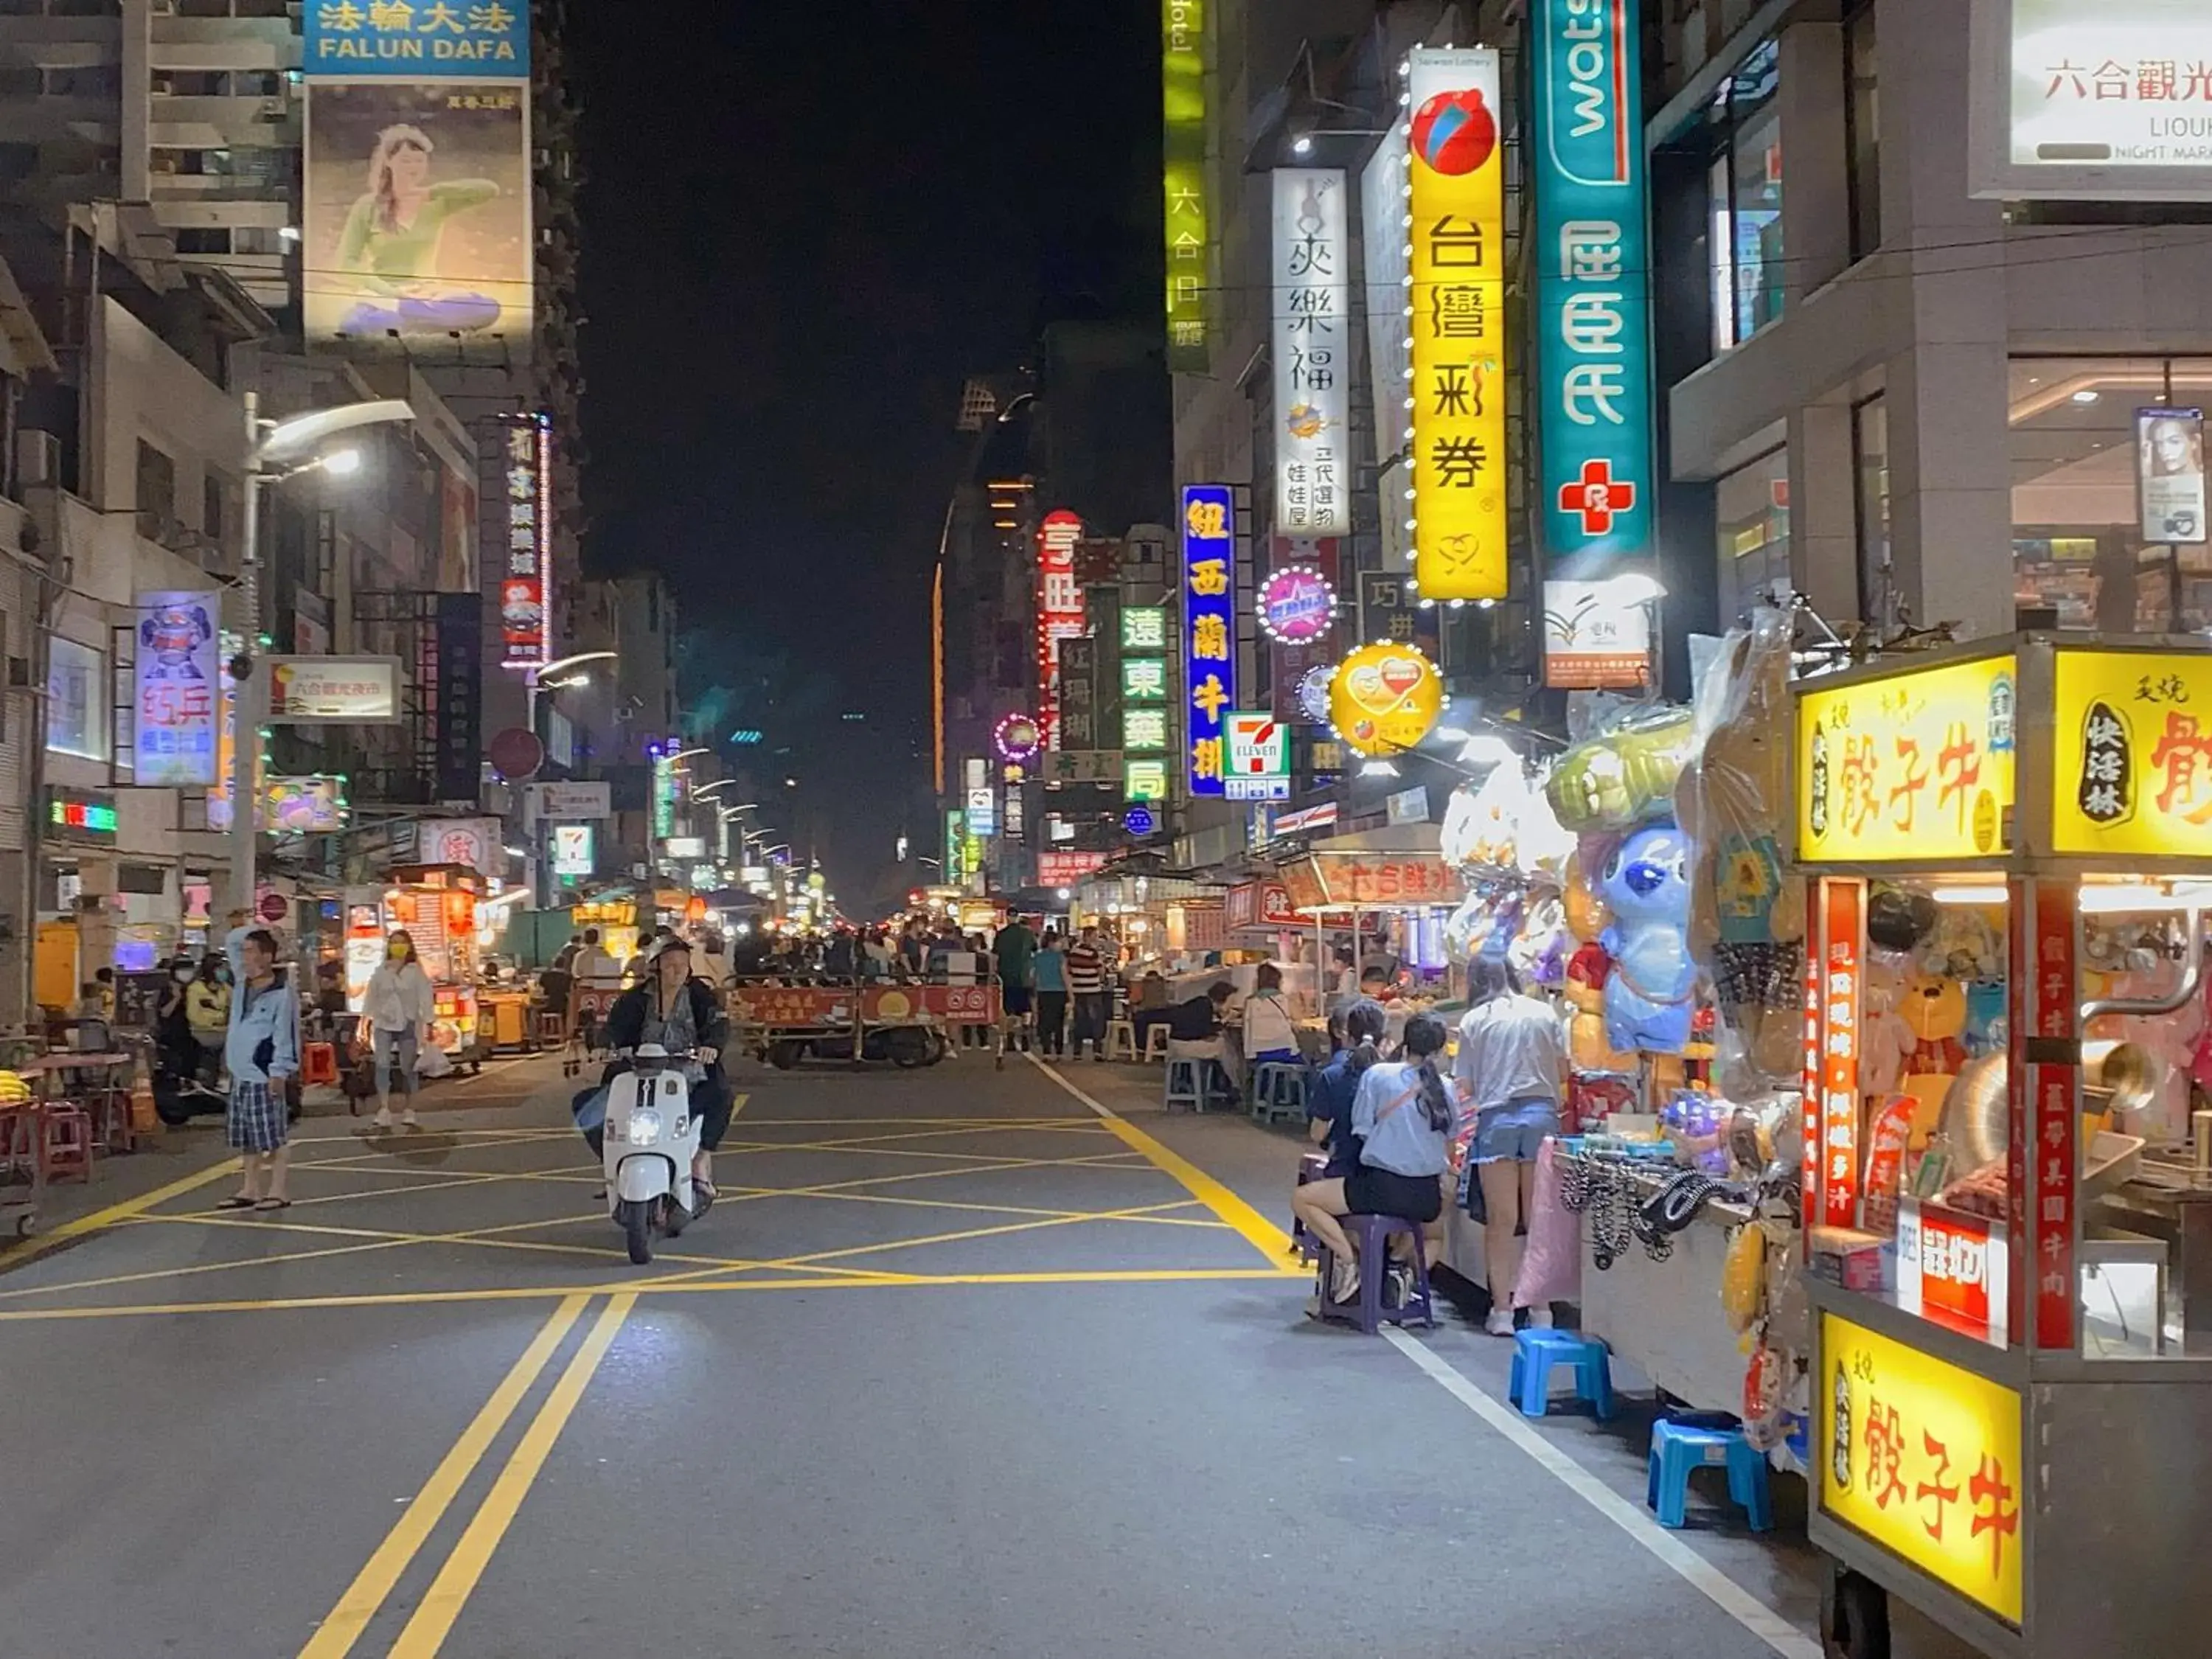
<point x="1597" y="496"/>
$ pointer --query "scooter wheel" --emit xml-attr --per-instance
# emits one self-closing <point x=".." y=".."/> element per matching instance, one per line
<point x="636" y="1220"/>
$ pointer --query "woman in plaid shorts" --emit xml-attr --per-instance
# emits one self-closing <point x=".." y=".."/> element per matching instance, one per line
<point x="262" y="1050"/>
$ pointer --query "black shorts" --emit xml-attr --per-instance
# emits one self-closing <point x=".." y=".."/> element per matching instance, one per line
<point x="1371" y="1191"/>
<point x="1015" y="999"/>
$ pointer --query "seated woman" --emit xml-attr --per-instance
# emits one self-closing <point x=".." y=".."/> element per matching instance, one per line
<point x="682" y="1014"/>
<point x="1402" y="1117"/>
<point x="1271" y="1037"/>
<point x="1335" y="1085"/>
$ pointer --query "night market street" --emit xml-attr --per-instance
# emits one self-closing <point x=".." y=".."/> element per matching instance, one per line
<point x="961" y="1362"/>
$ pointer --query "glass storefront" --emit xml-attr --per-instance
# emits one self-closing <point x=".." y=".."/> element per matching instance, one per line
<point x="2079" y="549"/>
<point x="1744" y="201"/>
<point x="1752" y="515"/>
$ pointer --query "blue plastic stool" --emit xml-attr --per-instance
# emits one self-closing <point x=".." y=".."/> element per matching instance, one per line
<point x="1536" y="1353"/>
<point x="1278" y="1090"/>
<point x="1190" y="1082"/>
<point x="1678" y="1448"/>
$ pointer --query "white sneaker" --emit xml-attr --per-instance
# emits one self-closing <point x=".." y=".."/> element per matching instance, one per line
<point x="1540" y="1317"/>
<point x="408" y="1120"/>
<point x="1500" y="1322"/>
<point x="1345" y="1286"/>
<point x="383" y="1118"/>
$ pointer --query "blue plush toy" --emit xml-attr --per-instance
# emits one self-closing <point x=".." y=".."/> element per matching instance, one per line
<point x="1648" y="993"/>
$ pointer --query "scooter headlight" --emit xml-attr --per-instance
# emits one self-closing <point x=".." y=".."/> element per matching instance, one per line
<point x="644" y="1126"/>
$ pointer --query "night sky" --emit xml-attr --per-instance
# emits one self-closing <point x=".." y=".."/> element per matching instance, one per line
<point x="804" y="226"/>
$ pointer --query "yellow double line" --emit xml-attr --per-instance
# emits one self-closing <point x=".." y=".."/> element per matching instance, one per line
<point x="432" y="1618"/>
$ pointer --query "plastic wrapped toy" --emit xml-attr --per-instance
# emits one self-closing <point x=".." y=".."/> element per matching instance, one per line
<point x="1648" y="993"/>
<point x="1624" y="776"/>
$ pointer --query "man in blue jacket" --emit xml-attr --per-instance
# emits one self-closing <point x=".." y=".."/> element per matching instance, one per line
<point x="260" y="1051"/>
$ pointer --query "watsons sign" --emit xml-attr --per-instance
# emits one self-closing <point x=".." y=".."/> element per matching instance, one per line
<point x="458" y="39"/>
<point x="1593" y="261"/>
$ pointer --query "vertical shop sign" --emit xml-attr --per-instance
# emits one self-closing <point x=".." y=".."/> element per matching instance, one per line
<point x="1455" y="316"/>
<point x="1187" y="220"/>
<point x="515" y="532"/>
<point x="460" y="696"/>
<point x="1592" y="306"/>
<point x="2051" y="1076"/>
<point x="956" y="841"/>
<point x="1383" y="269"/>
<point x="1209" y="610"/>
<point x="178" y="669"/>
<point x="1808" y="1182"/>
<point x="1146" y="728"/>
<point x="1078" y="694"/>
<point x="1310" y="296"/>
<point x="1840" y="957"/>
<point x="1059" y="611"/>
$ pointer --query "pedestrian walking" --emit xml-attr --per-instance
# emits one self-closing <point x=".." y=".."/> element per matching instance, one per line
<point x="399" y="1007"/>
<point x="1015" y="950"/>
<point x="261" y="1048"/>
<point x="1086" y="988"/>
<point x="1051" y="969"/>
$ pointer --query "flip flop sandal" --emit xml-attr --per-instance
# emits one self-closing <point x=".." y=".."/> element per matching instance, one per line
<point x="237" y="1203"/>
<point x="274" y="1204"/>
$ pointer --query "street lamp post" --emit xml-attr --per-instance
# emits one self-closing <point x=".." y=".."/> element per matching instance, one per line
<point x="534" y="677"/>
<point x="273" y="453"/>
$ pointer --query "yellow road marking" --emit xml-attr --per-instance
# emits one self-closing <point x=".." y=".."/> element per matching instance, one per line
<point x="449" y="1592"/>
<point x="953" y="1204"/>
<point x="668" y="1285"/>
<point x="1266" y="1236"/>
<point x="113" y="1279"/>
<point x="868" y="1143"/>
<point x="339" y="1632"/>
<point x="100" y="1220"/>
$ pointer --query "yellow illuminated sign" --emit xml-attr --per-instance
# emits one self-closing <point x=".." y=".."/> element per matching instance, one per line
<point x="2132" y="744"/>
<point x="1455" y="316"/>
<point x="1189" y="234"/>
<point x="1383" y="699"/>
<point x="1910" y="766"/>
<point x="1925" y="1459"/>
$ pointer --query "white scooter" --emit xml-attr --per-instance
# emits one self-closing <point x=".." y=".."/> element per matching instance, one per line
<point x="652" y="1136"/>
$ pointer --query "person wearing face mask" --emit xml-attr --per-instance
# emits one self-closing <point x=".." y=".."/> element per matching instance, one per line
<point x="173" y="1030"/>
<point x="207" y="1015"/>
<point x="399" y="1007"/>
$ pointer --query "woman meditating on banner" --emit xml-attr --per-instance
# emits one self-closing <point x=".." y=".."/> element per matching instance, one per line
<point x="390" y="242"/>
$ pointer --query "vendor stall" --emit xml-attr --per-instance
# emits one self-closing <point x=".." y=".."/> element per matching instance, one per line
<point x="436" y="904"/>
<point x="2005" y="848"/>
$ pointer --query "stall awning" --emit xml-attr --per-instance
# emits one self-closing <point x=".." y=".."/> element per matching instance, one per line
<point x="1397" y="867"/>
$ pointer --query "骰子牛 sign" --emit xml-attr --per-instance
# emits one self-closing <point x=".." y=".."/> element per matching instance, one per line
<point x="2131" y="763"/>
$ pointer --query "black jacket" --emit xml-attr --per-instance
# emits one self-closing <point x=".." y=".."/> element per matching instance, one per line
<point x="625" y="1027"/>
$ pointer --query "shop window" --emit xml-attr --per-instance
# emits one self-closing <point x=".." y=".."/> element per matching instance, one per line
<point x="1863" y="131"/>
<point x="2082" y="554"/>
<point x="1870" y="462"/>
<point x="157" y="493"/>
<point x="1751" y="510"/>
<point x="1744" y="201"/>
<point x="76" y="700"/>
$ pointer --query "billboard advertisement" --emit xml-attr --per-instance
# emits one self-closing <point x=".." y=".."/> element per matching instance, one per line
<point x="2170" y="474"/>
<point x="1455" y="316"/>
<point x="514" y="532"/>
<point x="1593" y="308"/>
<point x="466" y="39"/>
<point x="573" y="854"/>
<point x="1593" y="638"/>
<point x="2092" y="99"/>
<point x="310" y="805"/>
<point x="178" y="680"/>
<point x="1311" y="297"/>
<point x="416" y="213"/>
<point x="1209" y="619"/>
<point x="1188" y="224"/>
<point x="324" y="690"/>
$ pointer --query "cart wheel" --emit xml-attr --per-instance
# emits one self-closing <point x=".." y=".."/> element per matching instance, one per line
<point x="22" y="1226"/>
<point x="1854" y="1617"/>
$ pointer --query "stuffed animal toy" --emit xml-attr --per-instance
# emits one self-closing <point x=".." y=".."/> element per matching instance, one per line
<point x="1587" y="917"/>
<point x="1886" y="1039"/>
<point x="1648" y="993"/>
<point x="1935" y="1007"/>
<point x="1539" y="951"/>
<point x="1623" y="777"/>
<point x="1482" y="821"/>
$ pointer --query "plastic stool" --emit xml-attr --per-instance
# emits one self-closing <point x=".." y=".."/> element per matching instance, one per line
<point x="1278" y="1090"/>
<point x="1537" y="1354"/>
<point x="1121" y="1039"/>
<point x="1190" y="1082"/>
<point x="1371" y="1235"/>
<point x="1155" y="1041"/>
<point x="1678" y="1448"/>
<point x="65" y="1141"/>
<point x="319" y="1063"/>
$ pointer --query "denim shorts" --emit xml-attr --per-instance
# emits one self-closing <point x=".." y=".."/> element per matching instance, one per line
<point x="1515" y="1131"/>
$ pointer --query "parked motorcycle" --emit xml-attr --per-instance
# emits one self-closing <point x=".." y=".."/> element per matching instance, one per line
<point x="650" y="1136"/>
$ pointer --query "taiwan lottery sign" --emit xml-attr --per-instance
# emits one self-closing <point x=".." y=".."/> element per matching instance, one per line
<point x="1311" y="294"/>
<point x="1059" y="612"/>
<point x="1209" y="610"/>
<point x="1457" y="318"/>
<point x="415" y="39"/>
<point x="1592" y="255"/>
<point x="1917" y="765"/>
<point x="2132" y="754"/>
<point x="179" y="669"/>
<point x="1924" y="1458"/>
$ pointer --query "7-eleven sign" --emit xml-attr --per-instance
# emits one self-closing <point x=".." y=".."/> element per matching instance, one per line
<point x="1257" y="762"/>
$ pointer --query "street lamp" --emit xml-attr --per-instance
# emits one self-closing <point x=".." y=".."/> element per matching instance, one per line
<point x="532" y="678"/>
<point x="707" y="789"/>
<point x="275" y="451"/>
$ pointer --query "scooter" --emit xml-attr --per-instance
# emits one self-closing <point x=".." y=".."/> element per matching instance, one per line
<point x="652" y="1135"/>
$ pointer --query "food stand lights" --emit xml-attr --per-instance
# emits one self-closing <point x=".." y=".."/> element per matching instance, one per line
<point x="2000" y="1437"/>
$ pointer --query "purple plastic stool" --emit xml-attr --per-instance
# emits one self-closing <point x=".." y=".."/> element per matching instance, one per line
<point x="1373" y="1234"/>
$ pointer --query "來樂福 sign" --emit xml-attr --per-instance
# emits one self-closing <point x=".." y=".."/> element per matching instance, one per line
<point x="1312" y="352"/>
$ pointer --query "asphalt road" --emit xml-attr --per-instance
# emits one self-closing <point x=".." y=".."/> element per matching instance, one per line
<point x="965" y="1361"/>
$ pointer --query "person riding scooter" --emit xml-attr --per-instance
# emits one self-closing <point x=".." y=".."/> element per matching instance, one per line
<point x="668" y="1007"/>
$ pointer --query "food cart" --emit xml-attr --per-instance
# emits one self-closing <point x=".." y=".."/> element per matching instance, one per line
<point x="908" y="1024"/>
<point x="436" y="903"/>
<point x="2011" y="1407"/>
